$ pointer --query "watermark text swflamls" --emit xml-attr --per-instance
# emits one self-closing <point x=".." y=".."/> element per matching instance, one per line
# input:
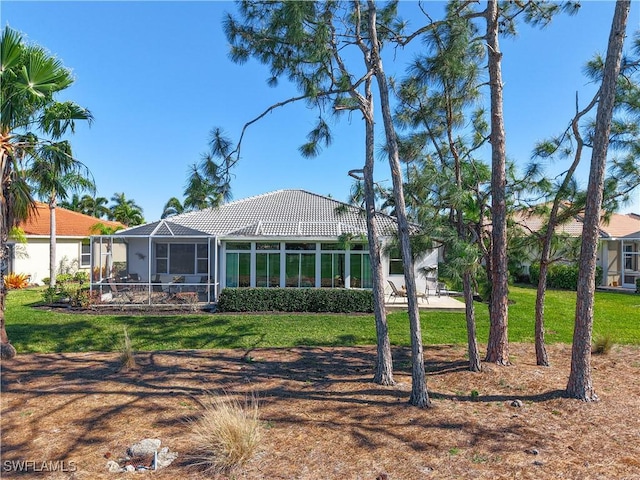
<point x="22" y="466"/>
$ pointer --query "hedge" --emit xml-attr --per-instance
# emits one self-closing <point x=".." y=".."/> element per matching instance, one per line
<point x="331" y="300"/>
<point x="561" y="275"/>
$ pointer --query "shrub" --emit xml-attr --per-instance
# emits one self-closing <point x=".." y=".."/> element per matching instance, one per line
<point x="561" y="275"/>
<point x="327" y="300"/>
<point x="14" y="281"/>
<point x="227" y="434"/>
<point x="81" y="276"/>
<point x="602" y="345"/>
<point x="637" y="285"/>
<point x="51" y="295"/>
<point x="127" y="357"/>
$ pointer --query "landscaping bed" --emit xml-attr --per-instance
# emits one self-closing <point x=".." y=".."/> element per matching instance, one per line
<point x="322" y="416"/>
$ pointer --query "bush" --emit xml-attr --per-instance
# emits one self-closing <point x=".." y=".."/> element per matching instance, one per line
<point x="327" y="300"/>
<point x="602" y="345"/>
<point x="127" y="356"/>
<point x="14" y="281"/>
<point x="81" y="276"/>
<point x="226" y="435"/>
<point x="637" y="285"/>
<point x="561" y="275"/>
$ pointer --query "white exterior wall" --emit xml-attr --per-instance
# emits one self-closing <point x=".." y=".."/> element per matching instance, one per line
<point x="32" y="258"/>
<point x="429" y="260"/>
<point x="139" y="257"/>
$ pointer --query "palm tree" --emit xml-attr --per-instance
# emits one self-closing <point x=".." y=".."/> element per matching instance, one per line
<point x="125" y="211"/>
<point x="202" y="191"/>
<point x="30" y="118"/>
<point x="172" y="207"/>
<point x="95" y="206"/>
<point x="73" y="204"/>
<point x="52" y="174"/>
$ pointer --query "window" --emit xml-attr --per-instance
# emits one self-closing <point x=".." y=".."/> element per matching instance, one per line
<point x="332" y="270"/>
<point x="85" y="254"/>
<point x="238" y="270"/>
<point x="395" y="262"/>
<point x="202" y="258"/>
<point x="300" y="246"/>
<point x="162" y="258"/>
<point x="182" y="258"/>
<point x="630" y="258"/>
<point x="360" y="271"/>
<point x="267" y="269"/>
<point x="268" y="246"/>
<point x="239" y="246"/>
<point x="300" y="270"/>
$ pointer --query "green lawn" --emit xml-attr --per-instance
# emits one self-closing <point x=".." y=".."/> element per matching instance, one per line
<point x="35" y="330"/>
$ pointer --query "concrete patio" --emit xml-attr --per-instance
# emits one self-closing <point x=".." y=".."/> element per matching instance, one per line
<point x="442" y="303"/>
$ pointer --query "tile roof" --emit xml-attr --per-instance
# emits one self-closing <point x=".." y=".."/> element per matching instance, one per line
<point x="279" y="213"/>
<point x="620" y="225"/>
<point x="68" y="223"/>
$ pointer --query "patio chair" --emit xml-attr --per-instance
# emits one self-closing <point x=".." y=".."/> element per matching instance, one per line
<point x="156" y="283"/>
<point x="115" y="290"/>
<point x="433" y="286"/>
<point x="396" y="292"/>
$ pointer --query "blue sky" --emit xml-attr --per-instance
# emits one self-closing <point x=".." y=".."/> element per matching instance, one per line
<point x="157" y="78"/>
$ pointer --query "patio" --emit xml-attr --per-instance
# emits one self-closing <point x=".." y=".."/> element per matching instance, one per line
<point x="442" y="303"/>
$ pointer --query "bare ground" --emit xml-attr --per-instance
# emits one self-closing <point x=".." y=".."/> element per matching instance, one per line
<point x="323" y="417"/>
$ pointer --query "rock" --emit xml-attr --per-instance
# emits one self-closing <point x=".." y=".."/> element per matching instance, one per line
<point x="165" y="457"/>
<point x="532" y="451"/>
<point x="130" y="468"/>
<point x="516" y="403"/>
<point x="113" y="467"/>
<point x="144" y="448"/>
<point x="538" y="463"/>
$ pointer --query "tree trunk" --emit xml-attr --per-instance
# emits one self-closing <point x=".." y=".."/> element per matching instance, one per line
<point x="419" y="393"/>
<point x="498" y="345"/>
<point x="580" y="385"/>
<point x="384" y="362"/>
<point x="52" y="244"/>
<point x="7" y="350"/>
<point x="541" y="352"/>
<point x="474" y="355"/>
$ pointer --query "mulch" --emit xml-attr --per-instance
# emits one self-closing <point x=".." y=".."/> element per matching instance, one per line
<point x="323" y="417"/>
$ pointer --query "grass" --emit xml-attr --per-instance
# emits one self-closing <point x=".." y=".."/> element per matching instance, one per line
<point x="36" y="330"/>
<point x="127" y="356"/>
<point x="226" y="435"/>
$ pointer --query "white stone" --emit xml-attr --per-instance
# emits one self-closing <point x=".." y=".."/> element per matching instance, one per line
<point x="113" y="467"/>
<point x="145" y="447"/>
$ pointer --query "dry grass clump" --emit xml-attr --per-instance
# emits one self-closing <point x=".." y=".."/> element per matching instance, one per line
<point x="602" y="345"/>
<point x="227" y="434"/>
<point x="127" y="357"/>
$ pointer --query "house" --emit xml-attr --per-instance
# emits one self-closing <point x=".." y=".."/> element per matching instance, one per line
<point x="619" y="249"/>
<point x="73" y="230"/>
<point x="285" y="238"/>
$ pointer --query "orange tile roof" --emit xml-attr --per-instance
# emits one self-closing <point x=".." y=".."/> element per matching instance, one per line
<point x="620" y="225"/>
<point x="68" y="223"/>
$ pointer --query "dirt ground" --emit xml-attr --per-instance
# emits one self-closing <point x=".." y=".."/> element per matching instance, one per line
<point x="323" y="418"/>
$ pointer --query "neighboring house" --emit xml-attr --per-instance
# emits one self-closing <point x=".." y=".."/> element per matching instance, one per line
<point x="72" y="242"/>
<point x="619" y="249"/>
<point x="286" y="238"/>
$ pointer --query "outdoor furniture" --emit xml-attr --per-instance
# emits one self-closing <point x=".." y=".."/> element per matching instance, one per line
<point x="115" y="290"/>
<point x="156" y="284"/>
<point x="401" y="292"/>
<point x="433" y="286"/>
